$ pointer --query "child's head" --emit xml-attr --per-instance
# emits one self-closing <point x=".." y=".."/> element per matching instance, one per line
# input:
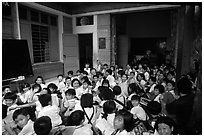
<point x="132" y="74"/>
<point x="78" y="72"/>
<point x="52" y="87"/>
<point x="108" y="72"/>
<point x="68" y="81"/>
<point x="123" y="121"/>
<point x="43" y="125"/>
<point x="75" y="83"/>
<point x="60" y="77"/>
<point x="39" y="80"/>
<point x="6" y="89"/>
<point x="45" y="91"/>
<point x="87" y="65"/>
<point x="26" y="87"/>
<point x="70" y="94"/>
<point x="152" y="80"/>
<point x="170" y="85"/>
<point x="117" y="90"/>
<point x="120" y="73"/>
<point x="45" y="99"/>
<point x="158" y="89"/>
<point x="95" y="78"/>
<point x="85" y="73"/>
<point x="170" y="75"/>
<point x="21" y="117"/>
<point x="86" y="100"/>
<point x="70" y="73"/>
<point x="105" y="93"/>
<point x="36" y="88"/>
<point x="105" y="83"/>
<point x="140" y="77"/>
<point x="132" y="88"/>
<point x="124" y="77"/>
<point x="77" y="118"/>
<point x="135" y="100"/>
<point x="109" y="107"/>
<point x="10" y="98"/>
<point x="93" y="71"/>
<point x="165" y="126"/>
<point x="86" y="84"/>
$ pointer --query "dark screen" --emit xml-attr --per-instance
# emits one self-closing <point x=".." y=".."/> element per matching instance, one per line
<point x="15" y="59"/>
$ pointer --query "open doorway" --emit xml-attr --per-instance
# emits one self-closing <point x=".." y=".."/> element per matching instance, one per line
<point x="139" y="46"/>
<point x="85" y="50"/>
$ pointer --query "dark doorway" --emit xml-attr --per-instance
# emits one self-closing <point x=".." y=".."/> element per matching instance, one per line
<point x="139" y="46"/>
<point x="85" y="50"/>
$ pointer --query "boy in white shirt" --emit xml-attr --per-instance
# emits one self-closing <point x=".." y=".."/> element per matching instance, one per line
<point x="48" y="110"/>
<point x="137" y="111"/>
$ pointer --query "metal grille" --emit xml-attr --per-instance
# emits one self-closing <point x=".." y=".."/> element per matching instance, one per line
<point x="40" y="43"/>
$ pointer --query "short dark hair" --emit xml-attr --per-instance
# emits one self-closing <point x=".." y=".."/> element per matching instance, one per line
<point x="44" y="99"/>
<point x="109" y="107"/>
<point x="87" y="81"/>
<point x="74" y="81"/>
<point x="22" y="111"/>
<point x="106" y="81"/>
<point x="70" y="91"/>
<point x="10" y="95"/>
<point x="168" y="121"/>
<point x="59" y="75"/>
<point x="135" y="97"/>
<point x="70" y="72"/>
<point x="160" y="88"/>
<point x="109" y="71"/>
<point x="105" y="93"/>
<point x="171" y="81"/>
<point x="35" y="86"/>
<point x="87" y="100"/>
<point x="67" y="78"/>
<point x="117" y="90"/>
<point x="153" y="79"/>
<point x="76" y="118"/>
<point x="52" y="85"/>
<point x="43" y="125"/>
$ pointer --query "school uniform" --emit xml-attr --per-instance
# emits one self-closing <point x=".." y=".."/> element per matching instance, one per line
<point x="28" y="129"/>
<point x="139" y="112"/>
<point x="53" y="113"/>
<point x="83" y="130"/>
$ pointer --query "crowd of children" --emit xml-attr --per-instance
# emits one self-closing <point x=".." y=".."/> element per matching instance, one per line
<point x="106" y="100"/>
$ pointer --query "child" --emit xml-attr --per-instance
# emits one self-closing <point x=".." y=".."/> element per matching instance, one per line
<point x="48" y="110"/>
<point x="123" y="123"/>
<point x="43" y="125"/>
<point x="39" y="80"/>
<point x="110" y="78"/>
<point x="105" y="121"/>
<point x="23" y="119"/>
<point x="70" y="73"/>
<point x="25" y="95"/>
<point x="119" y="97"/>
<point x="60" y="83"/>
<point x="166" y="126"/>
<point x="86" y="87"/>
<point x="67" y="86"/>
<point x="132" y="77"/>
<point x="124" y="86"/>
<point x="77" y="119"/>
<point x="87" y="106"/>
<point x="56" y="95"/>
<point x="137" y="111"/>
<point x="158" y="91"/>
<point x="87" y="68"/>
<point x="69" y="102"/>
<point x="8" y="125"/>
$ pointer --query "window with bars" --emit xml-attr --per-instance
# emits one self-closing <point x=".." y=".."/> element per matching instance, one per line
<point x="40" y="41"/>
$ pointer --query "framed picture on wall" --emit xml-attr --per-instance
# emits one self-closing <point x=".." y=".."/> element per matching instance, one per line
<point x="102" y="43"/>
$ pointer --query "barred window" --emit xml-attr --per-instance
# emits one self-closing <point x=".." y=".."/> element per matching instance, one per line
<point x="40" y="41"/>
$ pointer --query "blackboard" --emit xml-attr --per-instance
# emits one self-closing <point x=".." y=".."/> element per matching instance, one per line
<point x="15" y="59"/>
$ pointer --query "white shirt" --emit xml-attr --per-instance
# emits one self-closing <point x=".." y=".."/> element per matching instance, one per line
<point x="28" y="129"/>
<point x="139" y="113"/>
<point x="152" y="88"/>
<point x="53" y="113"/>
<point x="83" y="130"/>
<point x="124" y="89"/>
<point x="111" y="80"/>
<point x="106" y="126"/>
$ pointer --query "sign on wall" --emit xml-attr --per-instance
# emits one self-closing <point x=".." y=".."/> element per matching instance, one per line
<point x="102" y="43"/>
